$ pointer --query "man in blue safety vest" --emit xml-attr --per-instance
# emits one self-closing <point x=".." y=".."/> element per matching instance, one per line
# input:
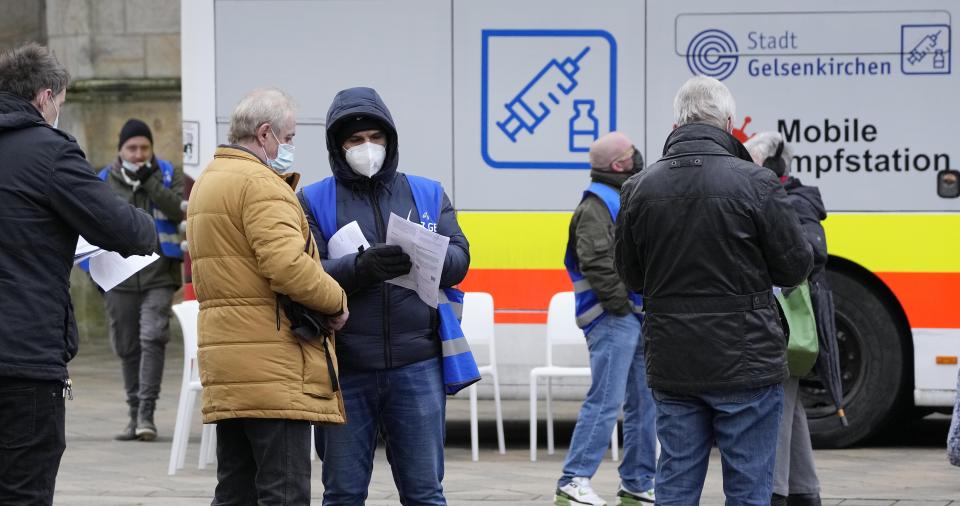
<point x="138" y="309"/>
<point x="610" y="316"/>
<point x="393" y="367"/>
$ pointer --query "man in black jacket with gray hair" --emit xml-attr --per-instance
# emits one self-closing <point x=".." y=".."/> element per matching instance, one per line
<point x="704" y="234"/>
<point x="49" y="195"/>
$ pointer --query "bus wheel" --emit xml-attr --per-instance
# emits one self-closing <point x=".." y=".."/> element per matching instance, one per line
<point x="872" y="365"/>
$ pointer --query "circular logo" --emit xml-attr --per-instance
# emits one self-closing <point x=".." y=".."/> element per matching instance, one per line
<point x="712" y="53"/>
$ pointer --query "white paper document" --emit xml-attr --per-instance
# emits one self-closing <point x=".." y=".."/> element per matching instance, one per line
<point x="85" y="250"/>
<point x="109" y="269"/>
<point x="347" y="240"/>
<point x="427" y="252"/>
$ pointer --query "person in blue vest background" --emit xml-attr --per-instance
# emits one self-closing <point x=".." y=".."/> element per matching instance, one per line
<point x="138" y="310"/>
<point x="389" y="351"/>
<point x="610" y="316"/>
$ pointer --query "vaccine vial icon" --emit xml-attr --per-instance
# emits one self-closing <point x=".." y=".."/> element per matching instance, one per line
<point x="584" y="126"/>
<point x="939" y="61"/>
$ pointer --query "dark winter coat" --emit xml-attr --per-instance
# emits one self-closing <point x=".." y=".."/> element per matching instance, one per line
<point x="389" y="326"/>
<point x="704" y="234"/>
<point x="49" y="195"/>
<point x="165" y="272"/>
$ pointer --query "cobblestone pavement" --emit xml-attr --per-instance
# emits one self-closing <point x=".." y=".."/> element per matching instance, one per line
<point x="909" y="468"/>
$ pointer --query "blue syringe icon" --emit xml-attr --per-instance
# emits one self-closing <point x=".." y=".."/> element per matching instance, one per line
<point x="529" y="107"/>
<point x="923" y="48"/>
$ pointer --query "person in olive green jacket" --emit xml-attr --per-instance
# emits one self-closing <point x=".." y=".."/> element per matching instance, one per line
<point x="138" y="309"/>
<point x="610" y="316"/>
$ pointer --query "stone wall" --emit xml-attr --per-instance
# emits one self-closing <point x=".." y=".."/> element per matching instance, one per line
<point x="124" y="58"/>
<point x="22" y="21"/>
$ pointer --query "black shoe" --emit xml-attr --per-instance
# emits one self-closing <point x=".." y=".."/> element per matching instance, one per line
<point x="803" y="500"/>
<point x="778" y="500"/>
<point x="146" y="430"/>
<point x="129" y="433"/>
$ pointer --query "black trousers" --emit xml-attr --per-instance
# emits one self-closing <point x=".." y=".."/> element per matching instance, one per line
<point x="31" y="440"/>
<point x="262" y="462"/>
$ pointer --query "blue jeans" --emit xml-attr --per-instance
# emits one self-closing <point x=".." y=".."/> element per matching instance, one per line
<point x="406" y="407"/>
<point x="743" y="423"/>
<point x="618" y="374"/>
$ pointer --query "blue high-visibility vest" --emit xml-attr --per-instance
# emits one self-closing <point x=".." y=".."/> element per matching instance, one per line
<point x="167" y="231"/>
<point x="459" y="367"/>
<point x="589" y="309"/>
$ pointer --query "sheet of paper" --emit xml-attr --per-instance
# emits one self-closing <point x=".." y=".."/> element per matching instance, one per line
<point x="427" y="252"/>
<point x="85" y="250"/>
<point x="347" y="240"/>
<point x="109" y="269"/>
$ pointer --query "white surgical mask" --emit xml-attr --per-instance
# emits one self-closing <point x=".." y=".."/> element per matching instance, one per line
<point x="367" y="158"/>
<point x="284" y="160"/>
<point x="56" y="119"/>
<point x="132" y="167"/>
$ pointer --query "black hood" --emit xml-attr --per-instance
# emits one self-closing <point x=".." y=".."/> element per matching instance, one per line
<point x="16" y="113"/>
<point x="809" y="193"/>
<point x="364" y="102"/>
<point x="700" y="138"/>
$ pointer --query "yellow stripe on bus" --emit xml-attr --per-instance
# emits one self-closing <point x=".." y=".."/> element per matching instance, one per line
<point x="897" y="242"/>
<point x="879" y="242"/>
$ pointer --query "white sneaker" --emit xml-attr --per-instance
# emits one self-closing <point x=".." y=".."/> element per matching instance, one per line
<point x="628" y="498"/>
<point x="578" y="491"/>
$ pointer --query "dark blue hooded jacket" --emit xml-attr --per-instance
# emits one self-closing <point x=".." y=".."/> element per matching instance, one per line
<point x="389" y="326"/>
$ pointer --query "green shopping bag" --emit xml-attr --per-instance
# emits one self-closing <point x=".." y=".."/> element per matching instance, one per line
<point x="802" y="348"/>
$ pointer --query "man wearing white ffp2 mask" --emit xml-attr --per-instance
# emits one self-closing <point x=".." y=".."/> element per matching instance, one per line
<point x="364" y="142"/>
<point x="392" y="337"/>
<point x="367" y="158"/>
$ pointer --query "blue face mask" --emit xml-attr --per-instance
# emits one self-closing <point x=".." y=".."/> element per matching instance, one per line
<point x="284" y="160"/>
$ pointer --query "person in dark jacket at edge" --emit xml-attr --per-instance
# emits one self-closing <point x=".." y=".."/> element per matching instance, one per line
<point x="610" y="317"/>
<point x="795" y="481"/>
<point x="389" y="351"/>
<point x="49" y="196"/>
<point x="703" y="234"/>
<point x="138" y="309"/>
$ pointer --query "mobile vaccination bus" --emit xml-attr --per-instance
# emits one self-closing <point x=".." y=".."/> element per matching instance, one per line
<point x="500" y="99"/>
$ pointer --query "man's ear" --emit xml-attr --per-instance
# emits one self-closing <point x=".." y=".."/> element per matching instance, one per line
<point x="729" y="124"/>
<point x="40" y="99"/>
<point x="263" y="131"/>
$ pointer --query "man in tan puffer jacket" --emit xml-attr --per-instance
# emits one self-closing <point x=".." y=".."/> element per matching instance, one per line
<point x="250" y="244"/>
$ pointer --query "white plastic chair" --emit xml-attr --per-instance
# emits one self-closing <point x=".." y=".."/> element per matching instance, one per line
<point x="187" y="313"/>
<point x="478" y="328"/>
<point x="562" y="331"/>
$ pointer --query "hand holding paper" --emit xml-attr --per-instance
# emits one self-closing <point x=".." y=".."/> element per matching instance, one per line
<point x="109" y="269"/>
<point x="427" y="251"/>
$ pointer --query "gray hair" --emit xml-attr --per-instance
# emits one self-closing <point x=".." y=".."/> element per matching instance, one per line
<point x="29" y="69"/>
<point x="262" y="105"/>
<point x="764" y="145"/>
<point x="703" y="100"/>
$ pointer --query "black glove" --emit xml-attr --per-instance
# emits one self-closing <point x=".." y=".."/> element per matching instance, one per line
<point x="305" y="323"/>
<point x="141" y="174"/>
<point x="381" y="262"/>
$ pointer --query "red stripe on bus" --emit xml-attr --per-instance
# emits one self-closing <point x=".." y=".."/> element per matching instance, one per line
<point x="519" y="295"/>
<point x="522" y="295"/>
<point x="928" y="298"/>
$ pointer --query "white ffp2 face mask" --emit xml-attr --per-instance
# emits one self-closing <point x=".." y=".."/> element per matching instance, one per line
<point x="366" y="159"/>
